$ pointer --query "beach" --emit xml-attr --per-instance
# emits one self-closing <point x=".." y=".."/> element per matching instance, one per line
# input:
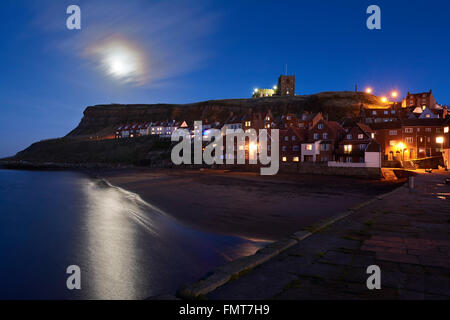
<point x="245" y="204"/>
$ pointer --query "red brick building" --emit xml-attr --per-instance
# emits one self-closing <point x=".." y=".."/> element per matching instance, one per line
<point x="353" y="146"/>
<point x="290" y="144"/>
<point x="327" y="134"/>
<point x="419" y="100"/>
<point x="410" y="138"/>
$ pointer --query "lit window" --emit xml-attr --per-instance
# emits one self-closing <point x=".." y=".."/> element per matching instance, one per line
<point x="445" y="129"/>
<point x="295" y="159"/>
<point x="392" y="143"/>
<point x="284" y="159"/>
<point x="360" y="136"/>
<point x="309" y="147"/>
<point x="348" y="148"/>
<point x="372" y="135"/>
<point x="408" y="130"/>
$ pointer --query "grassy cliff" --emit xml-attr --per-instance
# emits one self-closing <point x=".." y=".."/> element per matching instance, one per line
<point x="102" y="120"/>
<point x="139" y="150"/>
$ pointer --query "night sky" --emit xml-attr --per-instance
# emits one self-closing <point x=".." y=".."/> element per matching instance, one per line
<point x="186" y="51"/>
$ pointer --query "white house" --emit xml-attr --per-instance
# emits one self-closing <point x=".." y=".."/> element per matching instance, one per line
<point x="372" y="158"/>
<point x="310" y="151"/>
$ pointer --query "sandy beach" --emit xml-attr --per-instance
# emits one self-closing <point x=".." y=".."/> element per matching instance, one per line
<point x="246" y="204"/>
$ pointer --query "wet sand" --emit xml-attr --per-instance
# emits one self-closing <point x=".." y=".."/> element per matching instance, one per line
<point x="246" y="204"/>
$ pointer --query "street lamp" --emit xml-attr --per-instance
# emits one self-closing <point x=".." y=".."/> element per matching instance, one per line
<point x="401" y="146"/>
<point x="441" y="141"/>
<point x="394" y="95"/>
<point x="384" y="99"/>
<point x="369" y="90"/>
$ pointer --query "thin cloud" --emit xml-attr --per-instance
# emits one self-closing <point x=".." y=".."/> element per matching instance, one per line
<point x="169" y="37"/>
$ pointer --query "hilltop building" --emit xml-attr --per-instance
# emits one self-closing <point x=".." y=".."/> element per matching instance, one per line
<point x="285" y="87"/>
<point x="260" y="93"/>
<point x="419" y="100"/>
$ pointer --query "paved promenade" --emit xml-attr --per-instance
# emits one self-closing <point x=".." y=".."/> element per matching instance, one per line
<point x="406" y="234"/>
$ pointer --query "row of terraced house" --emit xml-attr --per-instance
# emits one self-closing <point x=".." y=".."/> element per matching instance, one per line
<point x="311" y="137"/>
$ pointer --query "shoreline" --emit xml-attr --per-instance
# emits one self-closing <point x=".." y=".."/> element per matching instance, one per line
<point x="234" y="203"/>
<point x="244" y="204"/>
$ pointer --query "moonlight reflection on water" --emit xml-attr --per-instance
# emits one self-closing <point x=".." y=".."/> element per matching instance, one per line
<point x="126" y="248"/>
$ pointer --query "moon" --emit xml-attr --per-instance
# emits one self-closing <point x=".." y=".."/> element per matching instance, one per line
<point x="120" y="60"/>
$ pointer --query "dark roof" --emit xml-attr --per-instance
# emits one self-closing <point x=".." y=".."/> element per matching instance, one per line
<point x="386" y="125"/>
<point x="335" y="126"/>
<point x="373" y="146"/>
<point x="422" y="122"/>
<point x="365" y="127"/>
<point x="348" y="122"/>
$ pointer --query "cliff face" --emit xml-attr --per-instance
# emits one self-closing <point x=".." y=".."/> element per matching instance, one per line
<point x="102" y="120"/>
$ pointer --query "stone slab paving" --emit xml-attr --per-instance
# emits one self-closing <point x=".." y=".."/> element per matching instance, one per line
<point x="407" y="234"/>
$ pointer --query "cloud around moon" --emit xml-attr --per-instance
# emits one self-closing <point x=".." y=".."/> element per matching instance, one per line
<point x="121" y="59"/>
<point x="139" y="43"/>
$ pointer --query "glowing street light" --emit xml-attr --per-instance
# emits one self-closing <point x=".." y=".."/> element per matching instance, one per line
<point x="441" y="141"/>
<point x="369" y="90"/>
<point x="384" y="99"/>
<point x="401" y="146"/>
<point x="394" y="94"/>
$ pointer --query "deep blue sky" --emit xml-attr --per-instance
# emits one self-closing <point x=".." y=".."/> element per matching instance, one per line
<point x="209" y="50"/>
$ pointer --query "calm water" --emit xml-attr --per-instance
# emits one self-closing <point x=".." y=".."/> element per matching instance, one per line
<point x="126" y="248"/>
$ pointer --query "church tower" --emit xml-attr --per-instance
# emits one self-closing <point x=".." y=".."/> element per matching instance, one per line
<point x="286" y="86"/>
